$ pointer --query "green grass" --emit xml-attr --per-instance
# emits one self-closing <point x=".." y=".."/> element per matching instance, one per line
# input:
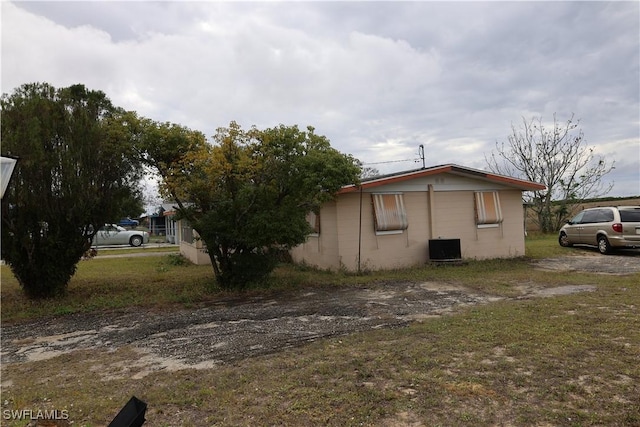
<point x="112" y="283"/>
<point x="539" y="245"/>
<point x="564" y="361"/>
<point x="160" y="281"/>
<point x="142" y="249"/>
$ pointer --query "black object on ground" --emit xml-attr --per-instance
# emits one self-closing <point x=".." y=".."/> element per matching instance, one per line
<point x="131" y="415"/>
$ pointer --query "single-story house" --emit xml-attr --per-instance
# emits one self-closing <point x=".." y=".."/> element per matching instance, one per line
<point x="180" y="232"/>
<point x="438" y="213"/>
<point x="163" y="223"/>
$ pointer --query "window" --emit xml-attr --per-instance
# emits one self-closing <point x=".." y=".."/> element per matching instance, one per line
<point x="314" y="221"/>
<point x="597" y="215"/>
<point x="630" y="215"/>
<point x="577" y="219"/>
<point x="488" y="212"/>
<point x="389" y="213"/>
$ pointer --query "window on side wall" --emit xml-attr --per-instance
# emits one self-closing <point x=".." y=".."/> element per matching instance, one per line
<point x="314" y="221"/>
<point x="390" y="216"/>
<point x="488" y="211"/>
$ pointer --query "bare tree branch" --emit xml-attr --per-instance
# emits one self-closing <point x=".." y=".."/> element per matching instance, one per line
<point x="556" y="157"/>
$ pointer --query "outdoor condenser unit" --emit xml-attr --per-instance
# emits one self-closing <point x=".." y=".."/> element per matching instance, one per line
<point x="444" y="250"/>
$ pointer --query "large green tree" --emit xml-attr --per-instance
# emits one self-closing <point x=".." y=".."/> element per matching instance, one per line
<point x="248" y="194"/>
<point x="76" y="168"/>
<point x="555" y="155"/>
<point x="133" y="206"/>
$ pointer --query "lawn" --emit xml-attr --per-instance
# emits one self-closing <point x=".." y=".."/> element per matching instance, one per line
<point x="564" y="361"/>
<point x="163" y="281"/>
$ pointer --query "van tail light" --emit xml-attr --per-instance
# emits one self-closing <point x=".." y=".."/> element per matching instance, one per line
<point x="617" y="227"/>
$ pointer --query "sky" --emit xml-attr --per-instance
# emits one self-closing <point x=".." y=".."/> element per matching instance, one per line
<point x="378" y="79"/>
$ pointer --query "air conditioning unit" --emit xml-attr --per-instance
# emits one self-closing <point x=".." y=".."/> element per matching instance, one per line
<point x="444" y="250"/>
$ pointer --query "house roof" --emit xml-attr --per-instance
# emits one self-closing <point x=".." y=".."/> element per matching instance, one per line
<point x="450" y="169"/>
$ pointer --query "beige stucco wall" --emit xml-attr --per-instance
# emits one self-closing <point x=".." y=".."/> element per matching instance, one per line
<point x="382" y="251"/>
<point x="337" y="246"/>
<point x="194" y="252"/>
<point x="321" y="250"/>
<point x="348" y="240"/>
<point x="455" y="218"/>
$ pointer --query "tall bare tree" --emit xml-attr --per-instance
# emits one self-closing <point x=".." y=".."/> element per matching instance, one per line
<point x="556" y="156"/>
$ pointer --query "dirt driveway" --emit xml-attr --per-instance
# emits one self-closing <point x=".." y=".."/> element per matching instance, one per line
<point x="238" y="328"/>
<point x="233" y="328"/>
<point x="625" y="262"/>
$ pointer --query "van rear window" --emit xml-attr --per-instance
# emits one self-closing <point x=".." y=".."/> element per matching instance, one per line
<point x="629" y="215"/>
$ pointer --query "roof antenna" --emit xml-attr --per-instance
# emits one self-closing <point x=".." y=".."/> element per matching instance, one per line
<point x="421" y="154"/>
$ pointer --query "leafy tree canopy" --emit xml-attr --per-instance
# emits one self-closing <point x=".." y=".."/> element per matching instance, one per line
<point x="249" y="192"/>
<point x="77" y="166"/>
<point x="132" y="207"/>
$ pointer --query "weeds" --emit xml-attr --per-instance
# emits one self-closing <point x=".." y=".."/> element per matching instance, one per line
<point x="562" y="361"/>
<point x="170" y="279"/>
<point x="177" y="260"/>
<point x="569" y="360"/>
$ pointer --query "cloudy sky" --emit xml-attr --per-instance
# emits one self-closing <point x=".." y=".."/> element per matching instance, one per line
<point x="377" y="78"/>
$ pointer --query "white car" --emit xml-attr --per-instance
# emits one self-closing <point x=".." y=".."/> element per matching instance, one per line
<point x="112" y="234"/>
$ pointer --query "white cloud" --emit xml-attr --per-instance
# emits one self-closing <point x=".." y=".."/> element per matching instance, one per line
<point x="378" y="80"/>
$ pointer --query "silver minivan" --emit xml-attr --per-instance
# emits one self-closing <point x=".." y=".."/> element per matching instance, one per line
<point x="608" y="228"/>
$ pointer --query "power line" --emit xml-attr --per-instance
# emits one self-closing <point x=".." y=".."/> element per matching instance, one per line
<point x="420" y="157"/>
<point x="391" y="161"/>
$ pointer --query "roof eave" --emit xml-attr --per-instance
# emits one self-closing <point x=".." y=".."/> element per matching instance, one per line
<point x="458" y="170"/>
